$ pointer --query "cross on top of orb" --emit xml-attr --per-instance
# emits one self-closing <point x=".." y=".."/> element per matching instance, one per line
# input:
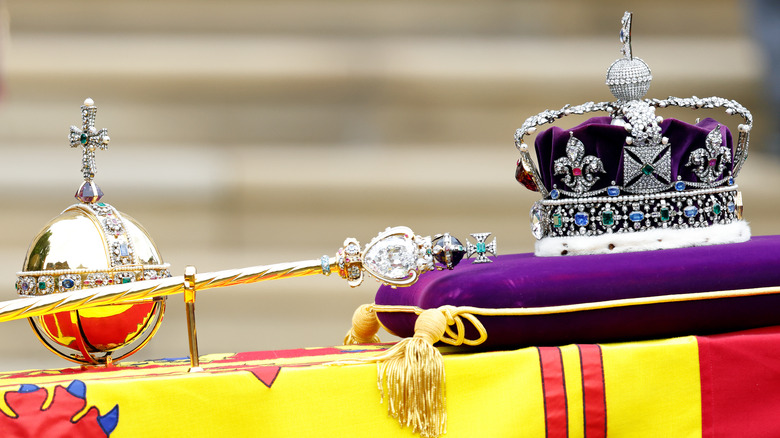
<point x="89" y="139"/>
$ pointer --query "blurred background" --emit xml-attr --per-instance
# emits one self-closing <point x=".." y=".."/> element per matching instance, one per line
<point x="257" y="132"/>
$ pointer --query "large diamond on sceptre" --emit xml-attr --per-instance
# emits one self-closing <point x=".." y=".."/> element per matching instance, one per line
<point x="395" y="257"/>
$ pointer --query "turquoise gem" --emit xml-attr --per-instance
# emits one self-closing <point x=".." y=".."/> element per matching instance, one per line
<point x="480" y="246"/>
<point x="665" y="214"/>
<point x="607" y="218"/>
<point x="557" y="220"/>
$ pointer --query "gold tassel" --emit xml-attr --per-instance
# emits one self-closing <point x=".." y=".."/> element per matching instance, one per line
<point x="411" y="375"/>
<point x="364" y="327"/>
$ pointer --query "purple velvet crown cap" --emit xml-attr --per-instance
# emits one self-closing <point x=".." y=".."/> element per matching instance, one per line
<point x="606" y="141"/>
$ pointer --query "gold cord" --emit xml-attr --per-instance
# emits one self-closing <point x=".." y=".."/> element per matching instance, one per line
<point x="364" y="327"/>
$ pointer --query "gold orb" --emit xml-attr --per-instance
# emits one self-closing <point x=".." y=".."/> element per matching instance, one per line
<point x="92" y="245"/>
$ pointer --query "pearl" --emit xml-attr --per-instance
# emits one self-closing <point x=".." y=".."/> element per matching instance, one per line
<point x="523" y="147"/>
<point x="531" y="130"/>
<point x="106" y="139"/>
<point x="89" y="102"/>
<point x="665" y="140"/>
<point x="629" y="140"/>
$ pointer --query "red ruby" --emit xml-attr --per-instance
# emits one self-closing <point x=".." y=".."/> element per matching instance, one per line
<point x="577" y="171"/>
<point x="524" y="177"/>
<point x="713" y="162"/>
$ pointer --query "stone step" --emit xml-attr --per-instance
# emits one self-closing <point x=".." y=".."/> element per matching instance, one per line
<point x="335" y="90"/>
<point x="349" y="17"/>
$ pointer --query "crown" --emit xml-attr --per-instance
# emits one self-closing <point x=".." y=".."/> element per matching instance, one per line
<point x="631" y="180"/>
<point x="92" y="244"/>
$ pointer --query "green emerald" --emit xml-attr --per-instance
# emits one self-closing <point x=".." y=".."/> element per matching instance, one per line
<point x="83" y="138"/>
<point x="647" y="169"/>
<point x="42" y="285"/>
<point x="126" y="280"/>
<point x="665" y="214"/>
<point x="607" y="218"/>
<point x="557" y="221"/>
<point x="716" y="208"/>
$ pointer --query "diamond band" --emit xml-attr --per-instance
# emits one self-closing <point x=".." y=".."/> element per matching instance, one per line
<point x="603" y="215"/>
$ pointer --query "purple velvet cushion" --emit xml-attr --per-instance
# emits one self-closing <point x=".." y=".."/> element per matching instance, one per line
<point x="526" y="281"/>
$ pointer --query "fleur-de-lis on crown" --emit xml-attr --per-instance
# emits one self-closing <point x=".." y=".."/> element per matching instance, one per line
<point x="710" y="161"/>
<point x="578" y="169"/>
<point x="89" y="138"/>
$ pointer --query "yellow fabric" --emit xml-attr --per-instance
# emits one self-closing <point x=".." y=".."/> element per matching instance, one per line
<point x="652" y="389"/>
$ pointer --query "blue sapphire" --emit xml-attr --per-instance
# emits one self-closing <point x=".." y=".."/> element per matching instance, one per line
<point x="690" y="211"/>
<point x="731" y="206"/>
<point x="636" y="216"/>
<point x="731" y="180"/>
<point x="25" y="286"/>
<point x="68" y="283"/>
<point x="613" y="190"/>
<point x="679" y="186"/>
<point x="581" y="219"/>
<point x="554" y="193"/>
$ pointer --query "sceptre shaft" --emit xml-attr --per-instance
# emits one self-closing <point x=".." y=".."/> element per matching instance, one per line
<point x="395" y="257"/>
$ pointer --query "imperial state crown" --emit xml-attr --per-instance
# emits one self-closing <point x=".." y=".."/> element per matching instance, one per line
<point x="92" y="244"/>
<point x="631" y="180"/>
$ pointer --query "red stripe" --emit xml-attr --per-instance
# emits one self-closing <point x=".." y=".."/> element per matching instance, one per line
<point x="593" y="395"/>
<point x="740" y="383"/>
<point x="554" y="388"/>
